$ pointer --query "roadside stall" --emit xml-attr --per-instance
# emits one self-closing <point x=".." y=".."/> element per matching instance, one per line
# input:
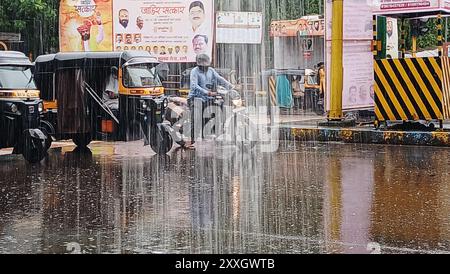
<point x="298" y="52"/>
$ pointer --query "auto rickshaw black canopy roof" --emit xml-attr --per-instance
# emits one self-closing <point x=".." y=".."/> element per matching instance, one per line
<point x="67" y="60"/>
<point x="14" y="58"/>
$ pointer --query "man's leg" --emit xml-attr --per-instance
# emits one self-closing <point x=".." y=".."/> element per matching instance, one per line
<point x="196" y="107"/>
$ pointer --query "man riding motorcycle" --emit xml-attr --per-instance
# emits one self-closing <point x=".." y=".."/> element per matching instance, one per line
<point x="203" y="78"/>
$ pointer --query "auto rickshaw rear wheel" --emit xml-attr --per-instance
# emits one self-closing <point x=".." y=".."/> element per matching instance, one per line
<point x="163" y="142"/>
<point x="82" y="139"/>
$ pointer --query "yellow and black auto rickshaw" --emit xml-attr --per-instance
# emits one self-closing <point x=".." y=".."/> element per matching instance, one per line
<point x="20" y="108"/>
<point x="76" y="88"/>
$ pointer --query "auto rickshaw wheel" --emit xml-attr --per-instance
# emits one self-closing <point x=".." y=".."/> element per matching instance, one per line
<point x="48" y="129"/>
<point x="33" y="149"/>
<point x="163" y="142"/>
<point x="82" y="139"/>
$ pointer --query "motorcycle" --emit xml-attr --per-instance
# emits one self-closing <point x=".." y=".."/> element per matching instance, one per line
<point x="226" y="120"/>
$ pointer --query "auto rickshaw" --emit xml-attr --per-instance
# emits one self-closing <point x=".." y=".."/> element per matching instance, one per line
<point x="74" y="85"/>
<point x="20" y="108"/>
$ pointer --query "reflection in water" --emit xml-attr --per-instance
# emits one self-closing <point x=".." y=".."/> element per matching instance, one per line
<point x="304" y="199"/>
<point x="412" y="199"/>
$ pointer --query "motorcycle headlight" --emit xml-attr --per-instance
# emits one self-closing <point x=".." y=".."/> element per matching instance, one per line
<point x="14" y="108"/>
<point x="40" y="107"/>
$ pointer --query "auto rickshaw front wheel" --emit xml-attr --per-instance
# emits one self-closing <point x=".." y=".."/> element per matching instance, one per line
<point x="34" y="146"/>
<point x="163" y="142"/>
<point x="82" y="139"/>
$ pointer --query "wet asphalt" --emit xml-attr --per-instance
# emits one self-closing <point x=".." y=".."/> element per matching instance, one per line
<point x="304" y="198"/>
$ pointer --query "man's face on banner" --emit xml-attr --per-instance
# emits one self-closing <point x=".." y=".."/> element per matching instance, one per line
<point x="124" y="18"/>
<point x="140" y="22"/>
<point x="317" y="26"/>
<point x="199" y="44"/>
<point x="390" y="28"/>
<point x="86" y="35"/>
<point x="197" y="16"/>
<point x="85" y="32"/>
<point x="129" y="39"/>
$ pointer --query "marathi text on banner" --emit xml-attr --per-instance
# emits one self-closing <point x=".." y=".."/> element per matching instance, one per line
<point x="175" y="31"/>
<point x="402" y="6"/>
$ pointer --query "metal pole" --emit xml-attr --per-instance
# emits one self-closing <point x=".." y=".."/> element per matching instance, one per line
<point x="414" y="46"/>
<point x="337" y="70"/>
<point x="439" y="38"/>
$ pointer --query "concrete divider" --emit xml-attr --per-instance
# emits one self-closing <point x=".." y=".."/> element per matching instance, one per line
<point x="366" y="136"/>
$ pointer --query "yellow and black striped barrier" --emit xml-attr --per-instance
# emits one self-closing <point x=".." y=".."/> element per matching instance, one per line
<point x="412" y="89"/>
<point x="273" y="90"/>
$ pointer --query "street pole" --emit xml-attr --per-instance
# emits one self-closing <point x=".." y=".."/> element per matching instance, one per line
<point x="414" y="46"/>
<point x="337" y="70"/>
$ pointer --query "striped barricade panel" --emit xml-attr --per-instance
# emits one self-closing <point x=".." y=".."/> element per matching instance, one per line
<point x="446" y="87"/>
<point x="408" y="89"/>
<point x="273" y="90"/>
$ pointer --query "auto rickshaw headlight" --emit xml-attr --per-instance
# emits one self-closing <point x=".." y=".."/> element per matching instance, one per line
<point x="144" y="104"/>
<point x="40" y="107"/>
<point x="14" y="108"/>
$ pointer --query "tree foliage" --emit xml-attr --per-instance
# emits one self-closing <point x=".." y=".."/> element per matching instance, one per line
<point x="36" y="20"/>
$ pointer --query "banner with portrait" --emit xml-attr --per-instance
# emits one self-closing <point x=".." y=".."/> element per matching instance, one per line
<point x="174" y="31"/>
<point x="85" y="25"/>
<point x="392" y="38"/>
<point x="289" y="28"/>
<point x="358" y="86"/>
<point x="316" y="27"/>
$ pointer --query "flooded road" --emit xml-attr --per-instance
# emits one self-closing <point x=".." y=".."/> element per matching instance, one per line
<point x="310" y="198"/>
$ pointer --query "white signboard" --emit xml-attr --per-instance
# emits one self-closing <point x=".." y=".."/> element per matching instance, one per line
<point x="402" y="6"/>
<point x="174" y="31"/>
<point x="239" y="27"/>
<point x="358" y="89"/>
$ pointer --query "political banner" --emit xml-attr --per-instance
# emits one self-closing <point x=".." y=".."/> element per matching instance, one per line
<point x="289" y="28"/>
<point x="173" y="31"/>
<point x="358" y="88"/>
<point x="85" y="25"/>
<point x="316" y="27"/>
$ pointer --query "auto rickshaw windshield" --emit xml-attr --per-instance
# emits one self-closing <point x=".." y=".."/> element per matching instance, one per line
<point x="16" y="77"/>
<point x="141" y="76"/>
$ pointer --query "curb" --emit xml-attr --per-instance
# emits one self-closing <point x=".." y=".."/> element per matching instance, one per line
<point x="365" y="136"/>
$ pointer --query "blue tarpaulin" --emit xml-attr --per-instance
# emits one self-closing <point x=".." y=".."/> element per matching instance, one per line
<point x="284" y="92"/>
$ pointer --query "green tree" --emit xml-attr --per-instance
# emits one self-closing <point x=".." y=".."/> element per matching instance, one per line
<point x="36" y="20"/>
